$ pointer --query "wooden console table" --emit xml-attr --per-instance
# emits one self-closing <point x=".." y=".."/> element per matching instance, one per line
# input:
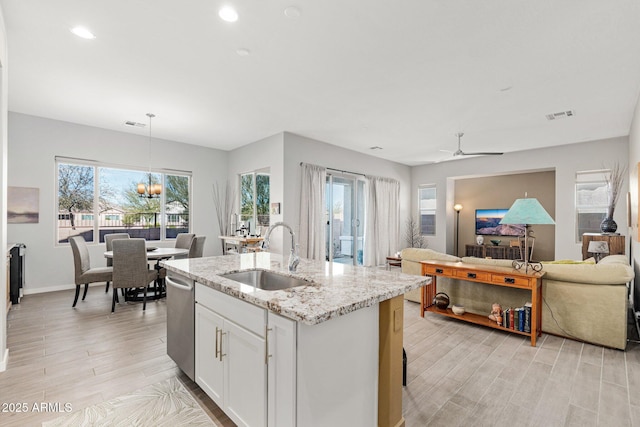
<point x="490" y="275"/>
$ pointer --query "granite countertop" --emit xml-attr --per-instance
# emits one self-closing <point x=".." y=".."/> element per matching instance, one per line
<point x="334" y="289"/>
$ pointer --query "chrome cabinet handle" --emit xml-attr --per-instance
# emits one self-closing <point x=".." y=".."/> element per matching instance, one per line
<point x="266" y="345"/>
<point x="218" y="342"/>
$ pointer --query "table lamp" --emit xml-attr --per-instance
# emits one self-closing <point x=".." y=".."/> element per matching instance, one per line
<point x="598" y="248"/>
<point x="527" y="211"/>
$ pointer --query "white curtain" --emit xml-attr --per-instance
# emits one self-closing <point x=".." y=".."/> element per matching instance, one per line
<point x="312" y="212"/>
<point x="382" y="229"/>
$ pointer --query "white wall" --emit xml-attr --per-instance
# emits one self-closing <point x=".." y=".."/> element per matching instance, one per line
<point x="566" y="160"/>
<point x="634" y="230"/>
<point x="300" y="149"/>
<point x="33" y="144"/>
<point x="3" y="185"/>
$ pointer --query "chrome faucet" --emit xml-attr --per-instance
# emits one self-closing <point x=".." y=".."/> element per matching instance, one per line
<point x="294" y="259"/>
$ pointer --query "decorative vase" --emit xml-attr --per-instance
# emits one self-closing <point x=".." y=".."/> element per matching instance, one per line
<point x="479" y="240"/>
<point x="608" y="225"/>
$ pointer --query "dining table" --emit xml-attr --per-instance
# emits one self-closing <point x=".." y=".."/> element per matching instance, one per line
<point x="242" y="243"/>
<point x="154" y="254"/>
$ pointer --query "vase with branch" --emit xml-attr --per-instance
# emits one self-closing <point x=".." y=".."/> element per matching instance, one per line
<point x="614" y="180"/>
<point x="224" y="200"/>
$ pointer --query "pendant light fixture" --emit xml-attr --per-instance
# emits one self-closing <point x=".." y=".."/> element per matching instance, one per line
<point x="150" y="191"/>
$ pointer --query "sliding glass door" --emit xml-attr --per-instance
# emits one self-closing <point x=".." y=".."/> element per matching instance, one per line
<point x="345" y="219"/>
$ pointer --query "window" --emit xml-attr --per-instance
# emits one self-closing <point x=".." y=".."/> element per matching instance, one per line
<point x="591" y="201"/>
<point x="427" y="210"/>
<point x="95" y="200"/>
<point x="254" y="200"/>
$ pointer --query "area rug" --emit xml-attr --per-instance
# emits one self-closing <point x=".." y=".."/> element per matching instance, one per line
<point x="166" y="403"/>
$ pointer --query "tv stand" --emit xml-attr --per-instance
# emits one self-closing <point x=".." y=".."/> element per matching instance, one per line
<point x="493" y="251"/>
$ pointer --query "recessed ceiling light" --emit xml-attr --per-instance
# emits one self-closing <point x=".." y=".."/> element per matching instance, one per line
<point x="243" y="52"/>
<point x="292" y="12"/>
<point x="82" y="32"/>
<point x="229" y="14"/>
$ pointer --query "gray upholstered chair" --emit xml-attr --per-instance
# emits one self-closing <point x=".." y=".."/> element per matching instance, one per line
<point x="130" y="268"/>
<point x="197" y="247"/>
<point x="108" y="239"/>
<point x="84" y="274"/>
<point x="183" y="241"/>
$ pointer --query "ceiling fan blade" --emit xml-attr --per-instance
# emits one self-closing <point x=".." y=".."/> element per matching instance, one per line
<point x="483" y="154"/>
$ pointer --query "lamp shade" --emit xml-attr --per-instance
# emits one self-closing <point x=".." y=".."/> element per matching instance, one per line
<point x="598" y="247"/>
<point x="527" y="211"/>
<point x="457" y="207"/>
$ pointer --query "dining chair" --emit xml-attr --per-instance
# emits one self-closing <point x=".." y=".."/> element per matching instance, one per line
<point x="197" y="247"/>
<point x="130" y="268"/>
<point x="84" y="274"/>
<point x="108" y="239"/>
<point x="183" y="241"/>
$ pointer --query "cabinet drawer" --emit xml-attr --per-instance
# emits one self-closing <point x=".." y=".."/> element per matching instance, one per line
<point x="506" y="279"/>
<point x="437" y="270"/>
<point x="247" y="315"/>
<point x="472" y="275"/>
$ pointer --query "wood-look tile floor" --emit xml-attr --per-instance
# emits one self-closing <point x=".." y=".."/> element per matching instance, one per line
<point x="458" y="374"/>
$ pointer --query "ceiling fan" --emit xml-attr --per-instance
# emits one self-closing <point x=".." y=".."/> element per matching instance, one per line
<point x="459" y="151"/>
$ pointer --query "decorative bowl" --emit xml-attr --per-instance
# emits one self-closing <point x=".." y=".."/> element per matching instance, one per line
<point x="496" y="242"/>
<point x="441" y="300"/>
<point x="457" y="309"/>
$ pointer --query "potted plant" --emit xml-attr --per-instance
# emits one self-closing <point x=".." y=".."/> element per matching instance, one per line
<point x="614" y="180"/>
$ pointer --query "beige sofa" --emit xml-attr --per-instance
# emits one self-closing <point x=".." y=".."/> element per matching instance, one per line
<point x="583" y="301"/>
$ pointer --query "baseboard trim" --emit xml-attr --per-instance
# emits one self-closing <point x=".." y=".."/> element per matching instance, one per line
<point x="4" y="361"/>
<point x="31" y="291"/>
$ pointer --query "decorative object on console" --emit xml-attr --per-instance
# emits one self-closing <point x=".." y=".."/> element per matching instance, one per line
<point x="496" y="242"/>
<point x="527" y="211"/>
<point x="479" y="240"/>
<point x="457" y="207"/>
<point x="598" y="248"/>
<point x="441" y="300"/>
<point x="457" y="309"/>
<point x="614" y="180"/>
<point x="496" y="313"/>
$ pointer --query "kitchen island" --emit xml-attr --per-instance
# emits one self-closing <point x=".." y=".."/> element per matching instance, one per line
<point x="325" y="353"/>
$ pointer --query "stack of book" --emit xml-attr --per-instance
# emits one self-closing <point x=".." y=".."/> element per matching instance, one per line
<point x="518" y="319"/>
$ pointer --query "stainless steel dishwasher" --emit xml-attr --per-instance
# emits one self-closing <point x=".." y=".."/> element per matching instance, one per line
<point x="181" y="323"/>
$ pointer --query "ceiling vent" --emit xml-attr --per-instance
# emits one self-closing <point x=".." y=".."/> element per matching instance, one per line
<point x="136" y="124"/>
<point x="560" y="115"/>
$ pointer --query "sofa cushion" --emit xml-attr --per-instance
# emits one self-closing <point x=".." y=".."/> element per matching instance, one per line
<point x="418" y="254"/>
<point x="611" y="270"/>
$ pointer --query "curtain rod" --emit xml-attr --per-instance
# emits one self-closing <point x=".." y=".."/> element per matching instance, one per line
<point x="340" y="170"/>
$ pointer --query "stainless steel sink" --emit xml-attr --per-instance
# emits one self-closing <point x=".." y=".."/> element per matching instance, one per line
<point x="266" y="280"/>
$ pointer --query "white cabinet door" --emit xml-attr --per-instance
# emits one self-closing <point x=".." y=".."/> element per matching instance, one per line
<point x="209" y="369"/>
<point x="281" y="337"/>
<point x="245" y="392"/>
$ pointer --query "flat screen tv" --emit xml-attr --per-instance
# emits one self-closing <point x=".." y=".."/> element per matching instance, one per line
<point x="488" y="224"/>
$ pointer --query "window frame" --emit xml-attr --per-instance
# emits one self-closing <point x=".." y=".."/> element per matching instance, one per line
<point x="96" y="165"/>
<point x="591" y="177"/>
<point x="254" y="200"/>
<point x="433" y="209"/>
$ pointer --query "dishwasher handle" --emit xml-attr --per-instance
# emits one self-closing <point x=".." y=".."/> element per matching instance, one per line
<point x="179" y="285"/>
